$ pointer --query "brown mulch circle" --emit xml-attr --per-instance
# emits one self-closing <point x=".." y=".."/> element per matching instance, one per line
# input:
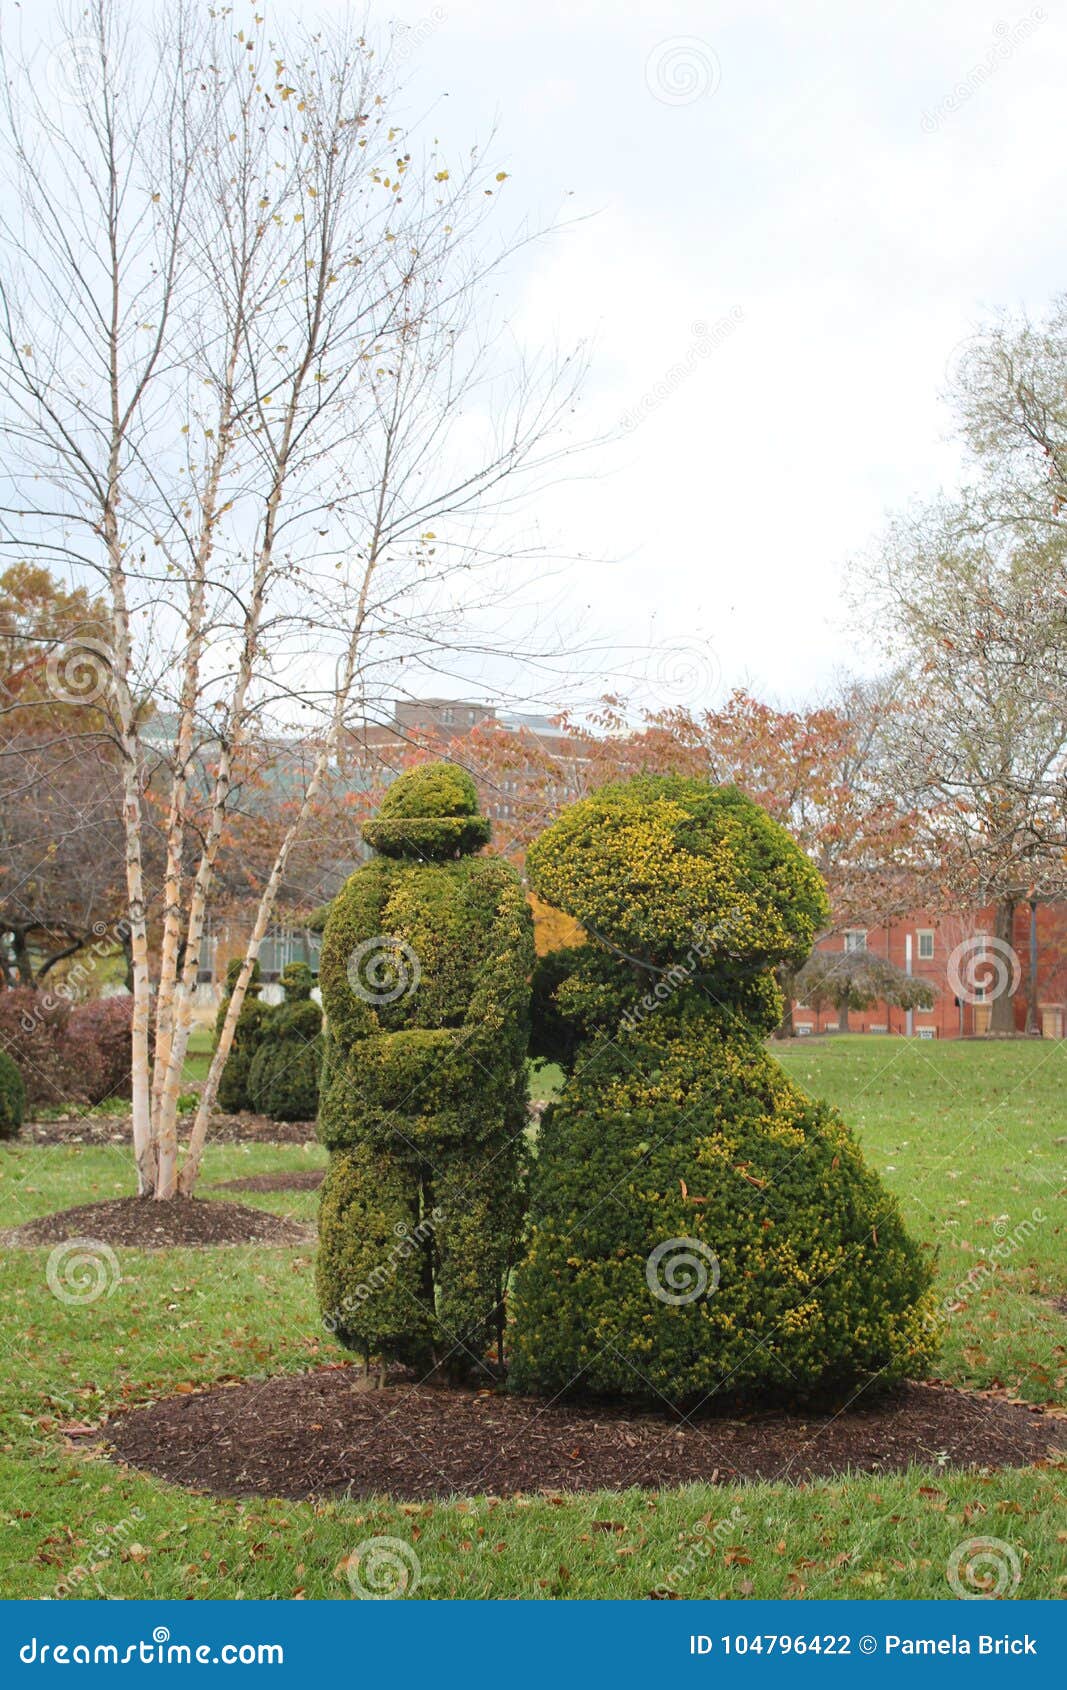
<point x="316" y="1433"/>
<point x="116" y="1129"/>
<point x="300" y="1179"/>
<point x="147" y="1225"/>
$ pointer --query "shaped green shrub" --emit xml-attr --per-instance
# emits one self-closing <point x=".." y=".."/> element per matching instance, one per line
<point x="699" y="1226"/>
<point x="233" y="1087"/>
<point x="426" y="962"/>
<point x="12" y="1097"/>
<point x="283" y="1075"/>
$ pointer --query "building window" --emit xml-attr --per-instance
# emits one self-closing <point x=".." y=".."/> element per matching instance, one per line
<point x="448" y="715"/>
<point x="926" y="945"/>
<point x="855" y="940"/>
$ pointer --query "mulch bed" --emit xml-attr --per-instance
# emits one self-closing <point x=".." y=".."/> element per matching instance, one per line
<point x="116" y="1129"/>
<point x="300" y="1179"/>
<point x="146" y="1225"/>
<point x="317" y="1433"/>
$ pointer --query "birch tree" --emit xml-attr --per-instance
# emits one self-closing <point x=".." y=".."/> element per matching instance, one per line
<point x="251" y="394"/>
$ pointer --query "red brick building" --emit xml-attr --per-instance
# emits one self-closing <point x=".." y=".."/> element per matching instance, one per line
<point x="961" y="960"/>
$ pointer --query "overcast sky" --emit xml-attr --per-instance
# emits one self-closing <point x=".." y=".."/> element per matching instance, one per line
<point x="800" y="210"/>
<point x="782" y="222"/>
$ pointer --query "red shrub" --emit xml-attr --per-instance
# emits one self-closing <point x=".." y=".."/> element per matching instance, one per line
<point x="97" y="1044"/>
<point x="67" y="1054"/>
<point x="33" y="1031"/>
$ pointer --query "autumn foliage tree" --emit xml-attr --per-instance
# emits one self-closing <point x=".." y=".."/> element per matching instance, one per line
<point x="61" y="853"/>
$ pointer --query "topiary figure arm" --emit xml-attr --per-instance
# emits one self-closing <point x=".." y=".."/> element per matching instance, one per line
<point x="498" y="1013"/>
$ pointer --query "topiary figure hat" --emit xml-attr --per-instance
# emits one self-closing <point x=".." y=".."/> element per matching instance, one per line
<point x="297" y="981"/>
<point x="429" y="813"/>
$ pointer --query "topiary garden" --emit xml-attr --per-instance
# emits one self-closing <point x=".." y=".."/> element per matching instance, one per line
<point x="694" y="1233"/>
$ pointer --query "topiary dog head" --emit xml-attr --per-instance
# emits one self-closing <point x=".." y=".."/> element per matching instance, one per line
<point x="659" y="865"/>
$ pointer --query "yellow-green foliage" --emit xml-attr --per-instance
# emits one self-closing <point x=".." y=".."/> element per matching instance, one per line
<point x="677" y="1132"/>
<point x="431" y="812"/>
<point x="426" y="962"/>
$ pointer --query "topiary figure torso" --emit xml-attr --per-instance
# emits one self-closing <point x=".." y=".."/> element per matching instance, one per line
<point x="283" y="1075"/>
<point x="426" y="961"/>
<point x="699" y="1225"/>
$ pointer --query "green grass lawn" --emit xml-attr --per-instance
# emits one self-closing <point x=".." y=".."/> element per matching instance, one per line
<point x="971" y="1137"/>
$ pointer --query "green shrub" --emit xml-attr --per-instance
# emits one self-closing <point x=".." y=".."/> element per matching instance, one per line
<point x="283" y="1075"/>
<point x="12" y="1097"/>
<point x="426" y="960"/>
<point x="233" y="1087"/>
<point x="699" y="1226"/>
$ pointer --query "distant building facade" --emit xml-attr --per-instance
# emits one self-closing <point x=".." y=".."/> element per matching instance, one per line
<point x="962" y="961"/>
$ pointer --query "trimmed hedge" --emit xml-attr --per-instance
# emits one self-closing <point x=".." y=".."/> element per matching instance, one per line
<point x="234" y="1094"/>
<point x="12" y="1097"/>
<point x="426" y="960"/>
<point x="283" y="1075"/>
<point x="700" y="1227"/>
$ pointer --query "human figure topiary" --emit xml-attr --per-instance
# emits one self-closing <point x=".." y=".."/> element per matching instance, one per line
<point x="12" y="1097"/>
<point x="426" y="962"/>
<point x="233" y="1087"/>
<point x="283" y="1075"/>
<point x="700" y="1226"/>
